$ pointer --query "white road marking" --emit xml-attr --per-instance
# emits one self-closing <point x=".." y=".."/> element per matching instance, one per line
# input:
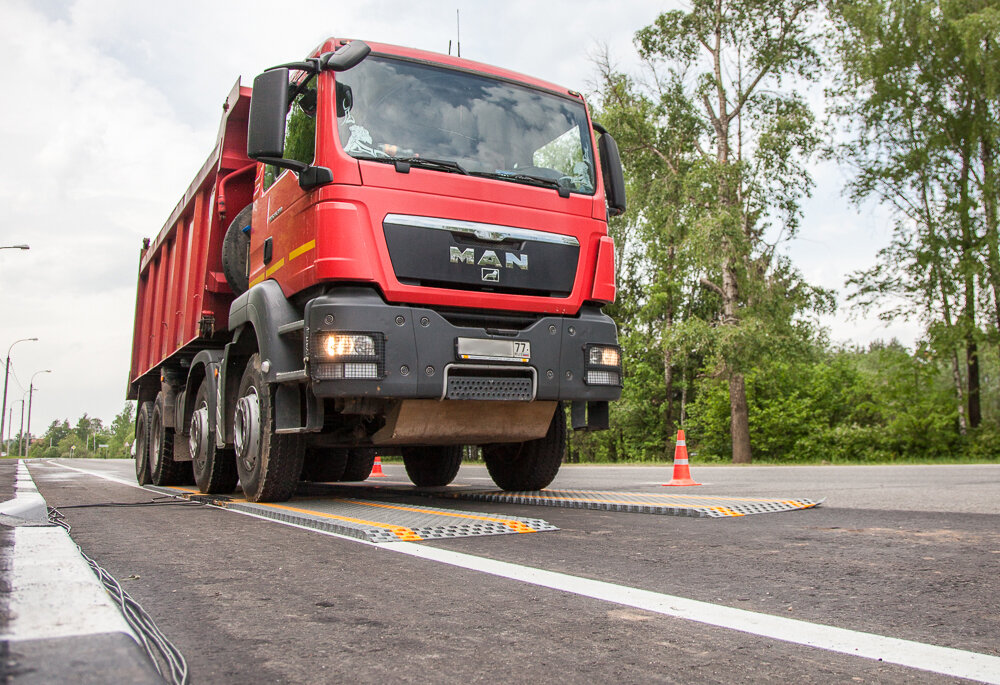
<point x="54" y="593"/>
<point x="951" y="662"/>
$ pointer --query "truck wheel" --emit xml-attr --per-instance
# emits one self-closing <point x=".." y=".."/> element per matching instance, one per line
<point x="359" y="464"/>
<point x="528" y="465"/>
<point x="162" y="467"/>
<point x="324" y="465"/>
<point x="236" y="252"/>
<point x="142" y="443"/>
<point x="430" y="467"/>
<point x="214" y="468"/>
<point x="269" y="464"/>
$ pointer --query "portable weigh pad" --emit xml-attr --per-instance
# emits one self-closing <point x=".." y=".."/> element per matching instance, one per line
<point x="643" y="503"/>
<point x="373" y="521"/>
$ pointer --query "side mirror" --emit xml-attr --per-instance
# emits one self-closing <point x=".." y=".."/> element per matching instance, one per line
<point x="611" y="170"/>
<point x="268" y="106"/>
<point x="347" y="56"/>
<point x="266" y="132"/>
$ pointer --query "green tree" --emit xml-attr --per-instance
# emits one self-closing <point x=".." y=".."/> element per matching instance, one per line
<point x="715" y="149"/>
<point x="920" y="104"/>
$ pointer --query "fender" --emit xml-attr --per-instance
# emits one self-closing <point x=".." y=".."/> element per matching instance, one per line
<point x="256" y="319"/>
<point x="265" y="308"/>
<point x="203" y="367"/>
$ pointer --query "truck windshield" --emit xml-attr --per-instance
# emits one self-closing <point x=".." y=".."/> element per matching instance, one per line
<point x="458" y="122"/>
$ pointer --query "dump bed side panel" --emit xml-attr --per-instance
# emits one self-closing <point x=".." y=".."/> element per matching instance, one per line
<point x="182" y="296"/>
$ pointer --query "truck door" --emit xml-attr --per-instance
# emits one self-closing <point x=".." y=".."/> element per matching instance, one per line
<point x="281" y="235"/>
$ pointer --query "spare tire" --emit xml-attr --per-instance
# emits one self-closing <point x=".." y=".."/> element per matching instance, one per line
<point x="236" y="252"/>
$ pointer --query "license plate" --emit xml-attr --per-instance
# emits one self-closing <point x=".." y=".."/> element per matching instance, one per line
<point x="493" y="350"/>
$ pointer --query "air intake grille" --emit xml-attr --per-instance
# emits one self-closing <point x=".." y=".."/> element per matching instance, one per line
<point x="489" y="388"/>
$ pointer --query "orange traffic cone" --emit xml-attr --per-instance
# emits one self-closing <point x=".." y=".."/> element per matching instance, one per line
<point x="377" y="469"/>
<point x="682" y="474"/>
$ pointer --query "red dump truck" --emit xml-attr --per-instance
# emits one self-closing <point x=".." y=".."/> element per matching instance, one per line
<point x="387" y="250"/>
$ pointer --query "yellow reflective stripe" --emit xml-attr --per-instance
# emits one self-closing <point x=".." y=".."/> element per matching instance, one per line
<point x="274" y="267"/>
<point x="301" y="249"/>
<point x="517" y="526"/>
<point x="726" y="511"/>
<point x="257" y="280"/>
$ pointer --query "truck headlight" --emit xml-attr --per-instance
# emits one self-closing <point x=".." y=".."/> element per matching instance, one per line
<point x="342" y="355"/>
<point x="339" y="345"/>
<point x="603" y="365"/>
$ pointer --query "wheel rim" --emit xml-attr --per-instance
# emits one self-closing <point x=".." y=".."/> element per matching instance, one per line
<point x="198" y="440"/>
<point x="247" y="426"/>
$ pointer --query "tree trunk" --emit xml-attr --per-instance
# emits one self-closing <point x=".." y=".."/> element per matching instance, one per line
<point x="739" y="425"/>
<point x="989" y="196"/>
<point x="968" y="316"/>
<point x="668" y="378"/>
<point x="972" y="367"/>
<point x="684" y="396"/>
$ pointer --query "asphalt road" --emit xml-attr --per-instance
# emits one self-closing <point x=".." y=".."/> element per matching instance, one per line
<point x="906" y="552"/>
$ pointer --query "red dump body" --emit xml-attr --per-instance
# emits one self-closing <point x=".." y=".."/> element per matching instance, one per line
<point x="182" y="291"/>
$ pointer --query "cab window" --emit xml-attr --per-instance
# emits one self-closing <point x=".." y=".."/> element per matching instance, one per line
<point x="300" y="126"/>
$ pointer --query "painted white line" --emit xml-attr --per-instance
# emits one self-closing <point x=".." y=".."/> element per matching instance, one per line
<point x="54" y="593"/>
<point x="951" y="662"/>
<point x="947" y="661"/>
<point x="105" y="476"/>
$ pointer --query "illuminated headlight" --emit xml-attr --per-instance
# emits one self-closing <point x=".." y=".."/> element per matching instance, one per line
<point x="339" y="345"/>
<point x="349" y="356"/>
<point x="603" y="365"/>
<point x="604" y="356"/>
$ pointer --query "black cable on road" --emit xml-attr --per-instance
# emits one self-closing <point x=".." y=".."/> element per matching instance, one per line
<point x="161" y="651"/>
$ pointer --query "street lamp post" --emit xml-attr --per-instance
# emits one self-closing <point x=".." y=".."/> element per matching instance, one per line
<point x="20" y="437"/>
<point x="31" y="392"/>
<point x="6" y="376"/>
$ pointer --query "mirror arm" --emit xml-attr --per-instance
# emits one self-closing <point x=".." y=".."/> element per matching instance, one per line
<point x="309" y="176"/>
<point x="312" y="65"/>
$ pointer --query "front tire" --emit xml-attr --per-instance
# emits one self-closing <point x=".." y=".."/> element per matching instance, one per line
<point x="324" y="465"/>
<point x="269" y="464"/>
<point x="529" y="465"/>
<point x="214" y="468"/>
<point x="431" y="467"/>
<point x="359" y="464"/>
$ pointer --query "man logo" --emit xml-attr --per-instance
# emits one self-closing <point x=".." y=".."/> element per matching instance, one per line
<point x="510" y="260"/>
<point x="491" y="275"/>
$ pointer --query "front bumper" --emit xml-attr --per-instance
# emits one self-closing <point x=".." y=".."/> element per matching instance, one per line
<point x="420" y="352"/>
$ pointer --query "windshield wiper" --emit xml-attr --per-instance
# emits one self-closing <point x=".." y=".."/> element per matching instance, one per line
<point x="527" y="179"/>
<point x="403" y="164"/>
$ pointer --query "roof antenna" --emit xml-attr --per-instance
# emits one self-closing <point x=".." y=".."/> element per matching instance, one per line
<point x="458" y="30"/>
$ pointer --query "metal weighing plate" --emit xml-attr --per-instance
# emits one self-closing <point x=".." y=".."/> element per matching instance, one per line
<point x="644" y="503"/>
<point x="373" y="521"/>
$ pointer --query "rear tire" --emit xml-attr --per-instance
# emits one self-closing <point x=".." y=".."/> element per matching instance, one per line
<point x="236" y="252"/>
<point x="431" y="467"/>
<point x="359" y="464"/>
<point x="214" y="467"/>
<point x="324" y="465"/>
<point x="142" y="419"/>
<point x="162" y="467"/>
<point x="269" y="464"/>
<point x="529" y="465"/>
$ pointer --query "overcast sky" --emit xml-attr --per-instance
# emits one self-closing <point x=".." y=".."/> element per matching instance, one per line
<point x="111" y="106"/>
